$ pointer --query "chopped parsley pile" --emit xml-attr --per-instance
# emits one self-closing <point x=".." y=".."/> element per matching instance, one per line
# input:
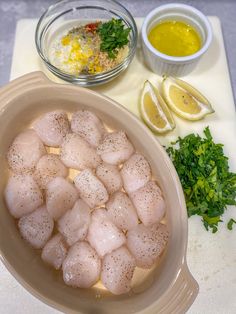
<point x="113" y="36"/>
<point x="204" y="173"/>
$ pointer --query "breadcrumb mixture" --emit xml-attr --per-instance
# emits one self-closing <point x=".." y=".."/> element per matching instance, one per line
<point x="78" y="52"/>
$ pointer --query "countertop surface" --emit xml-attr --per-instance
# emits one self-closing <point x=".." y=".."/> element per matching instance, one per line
<point x="10" y="13"/>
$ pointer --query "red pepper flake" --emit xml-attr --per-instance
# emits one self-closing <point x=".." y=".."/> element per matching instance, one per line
<point x="91" y="27"/>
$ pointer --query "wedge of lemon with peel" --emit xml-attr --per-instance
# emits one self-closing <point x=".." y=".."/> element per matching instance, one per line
<point x="154" y="111"/>
<point x="185" y="100"/>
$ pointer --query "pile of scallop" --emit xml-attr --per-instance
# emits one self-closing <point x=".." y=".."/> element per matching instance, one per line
<point x="92" y="205"/>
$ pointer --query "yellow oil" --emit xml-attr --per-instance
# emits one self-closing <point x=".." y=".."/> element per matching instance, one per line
<point x="175" y="38"/>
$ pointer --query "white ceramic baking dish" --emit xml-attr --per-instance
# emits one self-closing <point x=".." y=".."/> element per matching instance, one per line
<point x="167" y="288"/>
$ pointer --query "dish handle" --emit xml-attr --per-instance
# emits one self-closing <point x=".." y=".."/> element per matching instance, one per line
<point x="26" y="81"/>
<point x="182" y="294"/>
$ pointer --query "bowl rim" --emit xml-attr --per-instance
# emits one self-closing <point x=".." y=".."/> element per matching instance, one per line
<point x="86" y="77"/>
<point x="165" y="57"/>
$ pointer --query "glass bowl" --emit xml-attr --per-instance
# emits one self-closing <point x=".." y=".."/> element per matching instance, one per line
<point x="66" y="14"/>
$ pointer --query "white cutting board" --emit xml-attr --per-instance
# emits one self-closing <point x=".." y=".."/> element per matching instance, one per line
<point x="211" y="257"/>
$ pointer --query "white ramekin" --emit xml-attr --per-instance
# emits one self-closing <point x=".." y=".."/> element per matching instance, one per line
<point x="163" y="64"/>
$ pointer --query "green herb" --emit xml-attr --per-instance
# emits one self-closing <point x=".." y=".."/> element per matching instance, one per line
<point x="204" y="174"/>
<point x="113" y="36"/>
<point x="230" y="224"/>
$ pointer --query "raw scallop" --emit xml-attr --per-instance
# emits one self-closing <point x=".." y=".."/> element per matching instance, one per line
<point x="82" y="266"/>
<point x="88" y="126"/>
<point x="135" y="173"/>
<point x="115" y="148"/>
<point x="90" y="188"/>
<point x="103" y="235"/>
<point x="52" y="127"/>
<point x="61" y="196"/>
<point x="76" y="153"/>
<point x="22" y="195"/>
<point x="74" y="224"/>
<point x="110" y="177"/>
<point x="25" y="152"/>
<point x="49" y="167"/>
<point x="122" y="211"/>
<point x="54" y="252"/>
<point x="147" y="243"/>
<point x="117" y="271"/>
<point x="36" y="227"/>
<point x="105" y="223"/>
<point x="149" y="203"/>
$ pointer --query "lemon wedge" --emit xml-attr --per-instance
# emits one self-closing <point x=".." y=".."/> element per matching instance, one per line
<point x="185" y="100"/>
<point x="154" y="111"/>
